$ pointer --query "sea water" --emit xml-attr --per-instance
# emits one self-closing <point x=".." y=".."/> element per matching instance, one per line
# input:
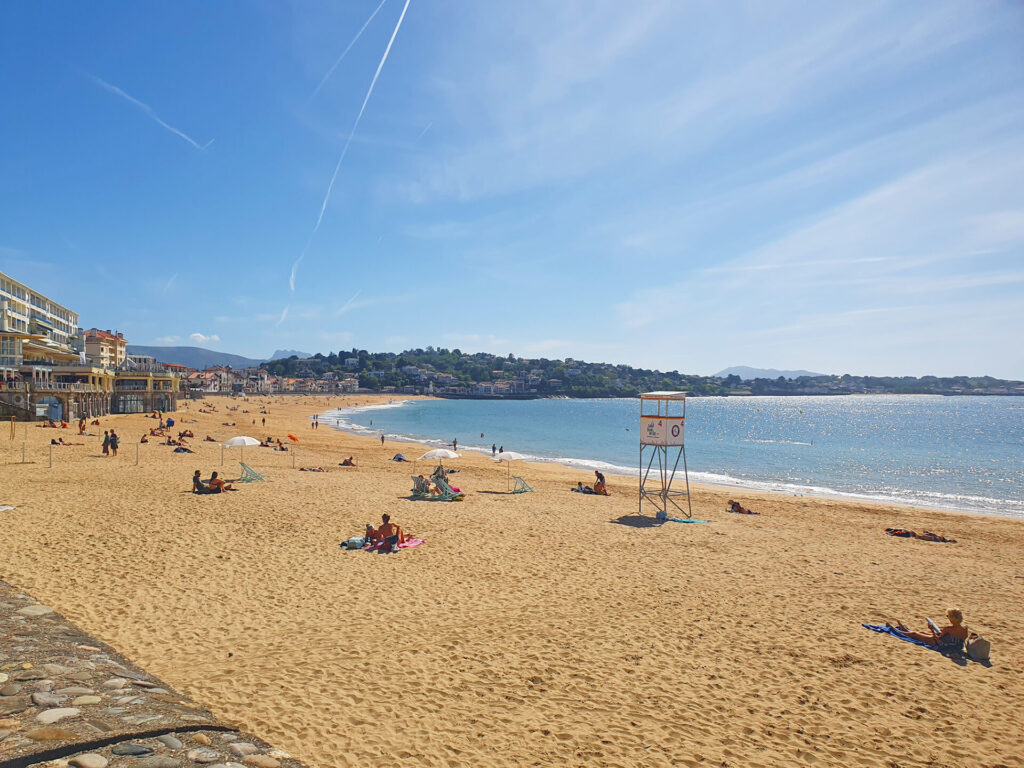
<point x="964" y="453"/>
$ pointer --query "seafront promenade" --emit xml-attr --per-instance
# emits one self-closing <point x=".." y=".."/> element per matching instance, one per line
<point x="547" y="628"/>
<point x="68" y="699"/>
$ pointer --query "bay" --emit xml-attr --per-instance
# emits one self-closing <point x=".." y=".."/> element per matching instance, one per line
<point x="961" y="453"/>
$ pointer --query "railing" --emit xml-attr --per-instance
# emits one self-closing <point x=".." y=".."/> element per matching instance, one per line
<point x="12" y="386"/>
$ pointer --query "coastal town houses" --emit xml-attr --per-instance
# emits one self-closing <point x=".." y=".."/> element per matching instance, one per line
<point x="45" y="366"/>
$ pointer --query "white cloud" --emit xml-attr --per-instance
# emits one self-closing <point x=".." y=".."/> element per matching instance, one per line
<point x="200" y="338"/>
<point x="168" y="339"/>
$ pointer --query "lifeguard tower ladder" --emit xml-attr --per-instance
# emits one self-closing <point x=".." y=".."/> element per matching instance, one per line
<point x="662" y="429"/>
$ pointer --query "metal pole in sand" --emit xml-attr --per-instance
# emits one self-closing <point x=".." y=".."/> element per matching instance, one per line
<point x="22" y="453"/>
<point x="222" y="455"/>
<point x="136" y="454"/>
<point x="293" y="459"/>
<point x="51" y="455"/>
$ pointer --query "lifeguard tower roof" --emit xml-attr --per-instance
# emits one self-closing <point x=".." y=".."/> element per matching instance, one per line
<point x="663" y="396"/>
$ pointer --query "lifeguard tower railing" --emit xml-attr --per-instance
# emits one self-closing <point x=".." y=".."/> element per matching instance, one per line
<point x="662" y="446"/>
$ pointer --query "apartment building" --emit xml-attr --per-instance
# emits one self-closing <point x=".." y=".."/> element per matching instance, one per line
<point x="105" y="348"/>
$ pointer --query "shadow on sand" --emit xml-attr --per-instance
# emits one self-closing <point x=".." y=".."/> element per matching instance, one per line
<point x="638" y="521"/>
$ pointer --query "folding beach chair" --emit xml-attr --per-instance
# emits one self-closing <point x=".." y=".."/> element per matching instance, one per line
<point x="447" y="492"/>
<point x="420" y="487"/>
<point x="250" y="475"/>
<point x="521" y="486"/>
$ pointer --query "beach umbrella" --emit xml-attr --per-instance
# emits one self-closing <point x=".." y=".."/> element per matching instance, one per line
<point x="238" y="442"/>
<point x="438" y="453"/>
<point x="509" y="456"/>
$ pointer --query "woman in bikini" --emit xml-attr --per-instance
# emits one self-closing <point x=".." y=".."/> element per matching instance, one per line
<point x="949" y="638"/>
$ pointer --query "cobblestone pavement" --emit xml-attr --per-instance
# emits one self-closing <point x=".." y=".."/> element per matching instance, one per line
<point x="68" y="700"/>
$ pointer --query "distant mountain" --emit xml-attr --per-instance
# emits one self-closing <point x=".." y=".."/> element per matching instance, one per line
<point x="193" y="357"/>
<point x="281" y="354"/>
<point x="747" y="373"/>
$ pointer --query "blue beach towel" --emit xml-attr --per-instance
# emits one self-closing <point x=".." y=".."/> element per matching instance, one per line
<point x="681" y="520"/>
<point x="884" y="630"/>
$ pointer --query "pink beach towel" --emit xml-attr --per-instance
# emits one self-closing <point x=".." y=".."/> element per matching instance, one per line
<point x="404" y="545"/>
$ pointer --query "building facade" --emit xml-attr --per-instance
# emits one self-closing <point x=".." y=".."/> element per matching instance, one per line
<point x="105" y="349"/>
<point x="43" y="375"/>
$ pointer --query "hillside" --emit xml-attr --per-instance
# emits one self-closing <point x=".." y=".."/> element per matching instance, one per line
<point x="747" y="373"/>
<point x="193" y="357"/>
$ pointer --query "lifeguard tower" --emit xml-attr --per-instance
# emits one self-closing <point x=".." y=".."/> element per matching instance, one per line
<point x="662" y="429"/>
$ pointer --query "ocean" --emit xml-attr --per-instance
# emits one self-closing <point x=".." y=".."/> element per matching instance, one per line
<point x="962" y="453"/>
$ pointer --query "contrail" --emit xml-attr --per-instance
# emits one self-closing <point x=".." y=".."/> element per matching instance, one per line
<point x="149" y="111"/>
<point x="347" y="304"/>
<point x="348" y="141"/>
<point x="344" y="53"/>
<point x="284" y="314"/>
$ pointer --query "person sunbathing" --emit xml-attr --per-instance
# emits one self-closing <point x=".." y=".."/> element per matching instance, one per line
<point x="903" y="533"/>
<point x="950" y="638"/>
<point x="217" y="485"/>
<point x="929" y="536"/>
<point x="349" y="462"/>
<point x="736" y="508"/>
<point x="390" y="534"/>
<point x="209" y="439"/>
<point x="198" y="486"/>
<point x="144" y="439"/>
<point x="312" y="469"/>
<point x="372" y="535"/>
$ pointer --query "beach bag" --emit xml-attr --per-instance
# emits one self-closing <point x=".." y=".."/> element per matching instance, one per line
<point x="978" y="648"/>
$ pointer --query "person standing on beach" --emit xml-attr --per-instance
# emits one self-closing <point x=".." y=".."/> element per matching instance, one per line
<point x="106" y="443"/>
<point x="381" y="439"/>
<point x="114" y="441"/>
<point x="494" y="449"/>
<point x="263" y="421"/>
<point x="455" y="443"/>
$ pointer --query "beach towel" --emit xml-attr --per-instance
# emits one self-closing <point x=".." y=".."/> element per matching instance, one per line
<point x="4" y="509"/>
<point x="404" y="545"/>
<point x="882" y="629"/>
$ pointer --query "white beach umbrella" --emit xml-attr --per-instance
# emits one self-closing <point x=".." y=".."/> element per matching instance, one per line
<point x="239" y="442"/>
<point x="438" y="453"/>
<point x="509" y="456"/>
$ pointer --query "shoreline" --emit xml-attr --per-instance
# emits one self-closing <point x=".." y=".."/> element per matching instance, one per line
<point x="736" y="485"/>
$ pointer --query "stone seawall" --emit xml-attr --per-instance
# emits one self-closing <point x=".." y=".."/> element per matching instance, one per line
<point x="71" y="701"/>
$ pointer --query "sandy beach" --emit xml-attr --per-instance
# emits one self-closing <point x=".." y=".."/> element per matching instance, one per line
<point x="529" y="629"/>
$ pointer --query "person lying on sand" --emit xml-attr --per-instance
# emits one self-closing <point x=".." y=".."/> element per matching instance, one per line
<point x="736" y="508"/>
<point x="950" y="638"/>
<point x="144" y="439"/>
<point x="209" y="439"/>
<point x="312" y="469"/>
<point x="929" y="536"/>
<point x="349" y="462"/>
<point x="217" y="485"/>
<point x="905" y="533"/>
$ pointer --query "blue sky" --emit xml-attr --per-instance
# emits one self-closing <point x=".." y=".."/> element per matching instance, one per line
<point x="830" y="186"/>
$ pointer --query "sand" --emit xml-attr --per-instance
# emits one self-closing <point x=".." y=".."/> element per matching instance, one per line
<point x="529" y="629"/>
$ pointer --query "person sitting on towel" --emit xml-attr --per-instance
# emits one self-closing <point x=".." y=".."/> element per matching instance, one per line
<point x="217" y="485"/>
<point x="372" y="535"/>
<point x="949" y="638"/>
<point x="198" y="486"/>
<point x="349" y="462"/>
<point x="390" y="533"/>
